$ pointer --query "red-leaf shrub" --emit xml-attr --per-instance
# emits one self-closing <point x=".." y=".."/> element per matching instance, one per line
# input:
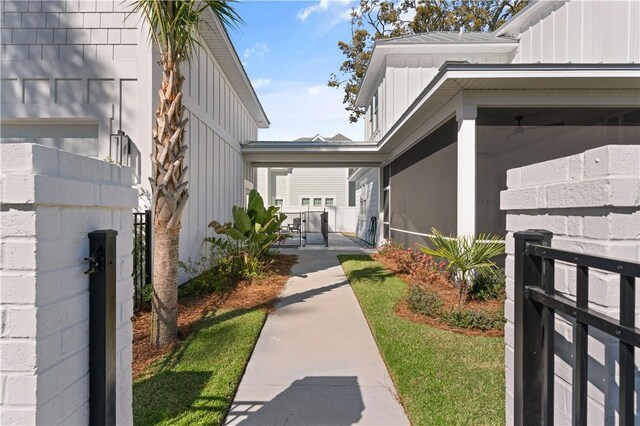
<point x="421" y="267"/>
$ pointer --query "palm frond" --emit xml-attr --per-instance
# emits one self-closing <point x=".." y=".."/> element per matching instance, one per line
<point x="465" y="253"/>
<point x="174" y="25"/>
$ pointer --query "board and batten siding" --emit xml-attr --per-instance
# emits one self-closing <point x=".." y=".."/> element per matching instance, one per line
<point x="404" y="78"/>
<point x="367" y="195"/>
<point x="583" y="32"/>
<point x="218" y="122"/>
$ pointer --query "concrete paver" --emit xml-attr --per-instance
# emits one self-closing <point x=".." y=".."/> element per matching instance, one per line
<point x="316" y="362"/>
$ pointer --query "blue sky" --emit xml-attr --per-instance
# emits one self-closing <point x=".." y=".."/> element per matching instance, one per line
<point x="289" y="49"/>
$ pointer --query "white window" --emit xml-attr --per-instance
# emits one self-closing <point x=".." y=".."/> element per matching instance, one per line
<point x="317" y="202"/>
<point x="328" y="202"/>
<point x="279" y="202"/>
<point x="306" y="201"/>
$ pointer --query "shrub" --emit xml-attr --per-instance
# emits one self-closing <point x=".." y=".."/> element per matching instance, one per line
<point x="389" y="248"/>
<point x="425" y="302"/>
<point x="204" y="278"/>
<point x="420" y="266"/>
<point x="426" y="270"/>
<point x="403" y="258"/>
<point x="489" y="287"/>
<point x="475" y="319"/>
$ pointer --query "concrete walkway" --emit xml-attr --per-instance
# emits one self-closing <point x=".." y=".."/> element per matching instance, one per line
<point x="316" y="362"/>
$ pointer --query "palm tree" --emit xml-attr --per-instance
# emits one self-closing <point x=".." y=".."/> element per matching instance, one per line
<point x="174" y="30"/>
<point x="465" y="257"/>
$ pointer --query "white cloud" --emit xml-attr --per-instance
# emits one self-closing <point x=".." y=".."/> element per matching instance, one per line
<point x="325" y="6"/>
<point x="318" y="90"/>
<point x="258" y="49"/>
<point x="259" y="83"/>
<point x="298" y="109"/>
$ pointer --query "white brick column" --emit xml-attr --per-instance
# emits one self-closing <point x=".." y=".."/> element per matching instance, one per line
<point x="591" y="203"/>
<point x="466" y="117"/>
<point x="50" y="200"/>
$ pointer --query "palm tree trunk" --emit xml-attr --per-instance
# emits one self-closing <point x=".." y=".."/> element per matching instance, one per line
<point x="169" y="200"/>
<point x="164" y="325"/>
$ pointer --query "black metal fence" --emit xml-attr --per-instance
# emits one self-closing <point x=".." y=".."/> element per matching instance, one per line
<point x="535" y="306"/>
<point x="141" y="256"/>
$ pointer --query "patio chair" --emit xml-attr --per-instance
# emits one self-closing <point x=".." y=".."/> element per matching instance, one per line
<point x="295" y="226"/>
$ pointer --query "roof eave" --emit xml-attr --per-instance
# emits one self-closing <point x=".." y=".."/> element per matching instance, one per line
<point x="376" y="63"/>
<point x="453" y="70"/>
<point x="534" y="9"/>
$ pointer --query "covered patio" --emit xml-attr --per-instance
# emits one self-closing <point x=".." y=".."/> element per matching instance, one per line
<point x="450" y="150"/>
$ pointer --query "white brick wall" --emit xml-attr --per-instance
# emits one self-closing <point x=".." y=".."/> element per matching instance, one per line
<point x="591" y="203"/>
<point x="50" y="200"/>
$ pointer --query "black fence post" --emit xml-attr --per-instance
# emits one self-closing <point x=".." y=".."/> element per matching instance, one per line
<point x="530" y="369"/>
<point x="102" y="327"/>
<point x="147" y="248"/>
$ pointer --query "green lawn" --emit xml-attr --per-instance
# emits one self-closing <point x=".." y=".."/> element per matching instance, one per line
<point x="442" y="377"/>
<point x="196" y="382"/>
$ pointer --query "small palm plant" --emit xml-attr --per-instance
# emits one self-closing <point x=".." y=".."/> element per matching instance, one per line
<point x="466" y="256"/>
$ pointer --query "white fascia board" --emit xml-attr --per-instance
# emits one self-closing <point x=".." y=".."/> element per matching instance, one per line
<point x="527" y="17"/>
<point x="542" y="73"/>
<point x="308" y="150"/>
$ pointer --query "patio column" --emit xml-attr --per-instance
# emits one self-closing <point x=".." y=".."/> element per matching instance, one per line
<point x="466" y="117"/>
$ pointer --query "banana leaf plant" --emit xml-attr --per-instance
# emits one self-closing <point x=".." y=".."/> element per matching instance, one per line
<point x="253" y="231"/>
<point x="465" y="256"/>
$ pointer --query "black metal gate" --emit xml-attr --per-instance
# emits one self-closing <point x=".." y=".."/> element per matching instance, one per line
<point x="141" y="256"/>
<point x="535" y="306"/>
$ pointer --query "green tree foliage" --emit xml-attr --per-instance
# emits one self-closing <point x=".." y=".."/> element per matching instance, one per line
<point x="379" y="19"/>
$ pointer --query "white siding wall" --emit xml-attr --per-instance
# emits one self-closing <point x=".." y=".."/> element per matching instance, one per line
<point x="76" y="60"/>
<point x="86" y="59"/>
<point x="324" y="182"/>
<point x="261" y="182"/>
<point x="218" y="122"/>
<point x="293" y="184"/>
<point x="584" y="31"/>
<point x="405" y="77"/>
<point x="367" y="190"/>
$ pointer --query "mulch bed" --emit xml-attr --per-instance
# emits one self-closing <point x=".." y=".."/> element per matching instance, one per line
<point x="450" y="299"/>
<point x="245" y="294"/>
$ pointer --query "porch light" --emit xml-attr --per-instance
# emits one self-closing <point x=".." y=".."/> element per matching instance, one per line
<point x="119" y="147"/>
